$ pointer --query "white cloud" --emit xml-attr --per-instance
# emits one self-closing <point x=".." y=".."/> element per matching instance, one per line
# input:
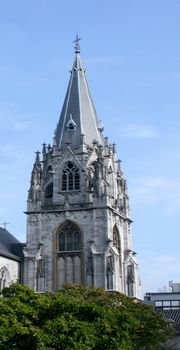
<point x="151" y="190"/>
<point x="138" y="131"/>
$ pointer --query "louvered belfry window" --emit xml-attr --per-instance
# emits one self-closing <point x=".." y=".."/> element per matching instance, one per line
<point x="70" y="178"/>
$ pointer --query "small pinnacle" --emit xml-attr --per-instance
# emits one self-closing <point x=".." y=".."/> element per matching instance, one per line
<point x="37" y="157"/>
<point x="44" y="148"/>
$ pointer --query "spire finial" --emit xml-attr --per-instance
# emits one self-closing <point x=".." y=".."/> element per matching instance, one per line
<point x="77" y="46"/>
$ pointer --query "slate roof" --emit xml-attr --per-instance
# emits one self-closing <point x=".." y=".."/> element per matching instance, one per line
<point x="78" y="107"/>
<point x="173" y="316"/>
<point x="9" y="245"/>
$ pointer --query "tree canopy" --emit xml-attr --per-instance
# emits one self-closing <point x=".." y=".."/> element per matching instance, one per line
<point x="78" y="318"/>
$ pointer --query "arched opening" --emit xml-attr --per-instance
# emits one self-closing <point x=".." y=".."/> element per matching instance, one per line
<point x="70" y="177"/>
<point x="69" y="254"/>
<point x="4" y="278"/>
<point x="116" y="239"/>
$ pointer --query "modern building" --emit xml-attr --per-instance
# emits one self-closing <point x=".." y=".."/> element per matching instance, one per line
<point x="167" y="303"/>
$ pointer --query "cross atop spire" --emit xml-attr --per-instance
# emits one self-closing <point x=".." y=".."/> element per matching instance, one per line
<point x="77" y="46"/>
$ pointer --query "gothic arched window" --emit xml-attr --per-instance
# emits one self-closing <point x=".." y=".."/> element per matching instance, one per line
<point x="69" y="254"/>
<point x="70" y="178"/>
<point x="69" y="237"/>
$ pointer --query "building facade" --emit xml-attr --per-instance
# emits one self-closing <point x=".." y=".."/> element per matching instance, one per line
<point x="78" y="217"/>
<point x="10" y="259"/>
<point x="168" y="304"/>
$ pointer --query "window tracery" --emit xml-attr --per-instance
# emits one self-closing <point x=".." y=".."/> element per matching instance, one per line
<point x="69" y="237"/>
<point x="70" y="178"/>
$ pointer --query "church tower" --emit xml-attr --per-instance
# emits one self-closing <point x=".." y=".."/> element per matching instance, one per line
<point x="78" y="217"/>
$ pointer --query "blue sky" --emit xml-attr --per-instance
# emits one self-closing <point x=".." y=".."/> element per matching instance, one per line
<point x="131" y="51"/>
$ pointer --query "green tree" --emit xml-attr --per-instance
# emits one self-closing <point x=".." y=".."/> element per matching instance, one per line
<point x="78" y="318"/>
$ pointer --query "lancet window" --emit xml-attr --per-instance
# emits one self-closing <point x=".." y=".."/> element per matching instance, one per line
<point x="49" y="181"/>
<point x="70" y="178"/>
<point x="116" y="239"/>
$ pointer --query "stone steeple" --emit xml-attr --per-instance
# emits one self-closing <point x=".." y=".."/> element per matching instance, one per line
<point x="78" y="116"/>
<point x="78" y="215"/>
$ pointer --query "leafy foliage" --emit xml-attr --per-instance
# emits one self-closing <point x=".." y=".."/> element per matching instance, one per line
<point x="77" y="318"/>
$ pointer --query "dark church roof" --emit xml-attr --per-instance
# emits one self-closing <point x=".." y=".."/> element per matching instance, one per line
<point x="9" y="245"/>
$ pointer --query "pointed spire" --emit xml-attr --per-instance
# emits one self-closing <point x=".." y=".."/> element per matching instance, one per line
<point x="79" y="107"/>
